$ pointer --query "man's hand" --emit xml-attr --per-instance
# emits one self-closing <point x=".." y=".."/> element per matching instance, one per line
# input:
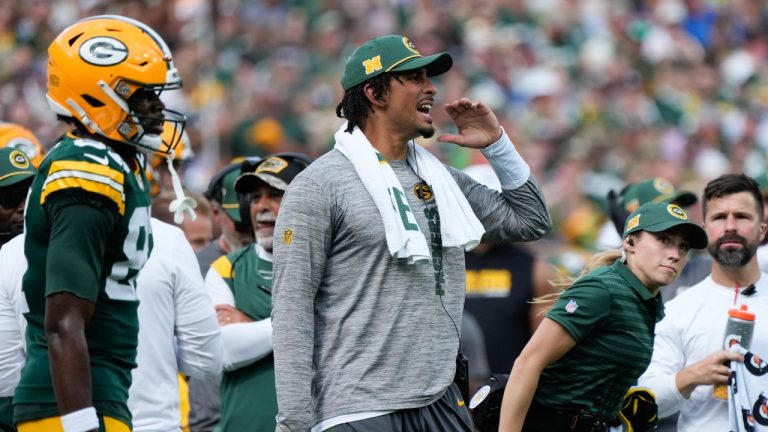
<point x="227" y="314"/>
<point x="477" y="124"/>
<point x="711" y="370"/>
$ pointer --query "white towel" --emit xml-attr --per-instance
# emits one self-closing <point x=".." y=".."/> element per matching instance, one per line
<point x="458" y="223"/>
<point x="748" y="393"/>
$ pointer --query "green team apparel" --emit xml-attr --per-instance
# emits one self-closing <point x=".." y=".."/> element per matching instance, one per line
<point x="88" y="234"/>
<point x="248" y="397"/>
<point x="611" y="315"/>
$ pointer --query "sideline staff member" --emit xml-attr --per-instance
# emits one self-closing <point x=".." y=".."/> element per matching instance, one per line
<point x="598" y="336"/>
<point x="369" y="252"/>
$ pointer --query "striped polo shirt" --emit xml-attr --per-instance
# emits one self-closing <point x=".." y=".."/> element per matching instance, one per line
<point x="611" y="315"/>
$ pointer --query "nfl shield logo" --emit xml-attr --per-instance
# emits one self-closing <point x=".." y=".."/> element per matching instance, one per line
<point x="571" y="306"/>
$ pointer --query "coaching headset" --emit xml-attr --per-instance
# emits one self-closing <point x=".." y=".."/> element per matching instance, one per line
<point x="215" y="190"/>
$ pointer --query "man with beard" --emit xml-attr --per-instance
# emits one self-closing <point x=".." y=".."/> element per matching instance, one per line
<point x="240" y="285"/>
<point x="689" y="358"/>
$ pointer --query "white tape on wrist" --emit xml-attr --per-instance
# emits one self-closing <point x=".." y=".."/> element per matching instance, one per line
<point x="83" y="420"/>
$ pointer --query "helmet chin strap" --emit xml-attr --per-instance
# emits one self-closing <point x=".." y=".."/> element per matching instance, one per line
<point x="182" y="203"/>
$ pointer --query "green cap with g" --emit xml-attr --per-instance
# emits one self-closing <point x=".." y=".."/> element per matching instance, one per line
<point x="14" y="166"/>
<point x="656" y="189"/>
<point x="657" y="217"/>
<point x="392" y="53"/>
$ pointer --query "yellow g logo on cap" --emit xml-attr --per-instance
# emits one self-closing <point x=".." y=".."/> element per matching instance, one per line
<point x="19" y="159"/>
<point x="663" y="186"/>
<point x="677" y="212"/>
<point x="411" y="47"/>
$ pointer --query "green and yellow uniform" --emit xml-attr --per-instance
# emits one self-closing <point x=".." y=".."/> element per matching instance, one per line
<point x="248" y="398"/>
<point x="611" y="315"/>
<point x="88" y="234"/>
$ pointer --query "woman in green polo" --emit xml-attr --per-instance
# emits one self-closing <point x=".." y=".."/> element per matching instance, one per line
<point x="597" y="337"/>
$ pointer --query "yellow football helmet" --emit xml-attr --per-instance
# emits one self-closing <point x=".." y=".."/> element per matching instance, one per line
<point x="21" y="138"/>
<point x="97" y="64"/>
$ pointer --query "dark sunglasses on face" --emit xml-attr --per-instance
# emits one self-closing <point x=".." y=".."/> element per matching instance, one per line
<point x="11" y="197"/>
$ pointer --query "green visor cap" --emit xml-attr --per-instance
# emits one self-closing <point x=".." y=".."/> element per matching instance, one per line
<point x="391" y="53"/>
<point x="656" y="189"/>
<point x="657" y="217"/>
<point x="229" y="200"/>
<point x="15" y="166"/>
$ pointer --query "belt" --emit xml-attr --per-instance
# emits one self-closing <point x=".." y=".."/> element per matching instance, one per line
<point x="542" y="418"/>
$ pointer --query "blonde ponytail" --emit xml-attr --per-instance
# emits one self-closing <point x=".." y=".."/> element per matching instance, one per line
<point x="600" y="259"/>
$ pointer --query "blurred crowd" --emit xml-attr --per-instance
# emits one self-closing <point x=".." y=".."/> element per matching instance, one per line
<point x="594" y="93"/>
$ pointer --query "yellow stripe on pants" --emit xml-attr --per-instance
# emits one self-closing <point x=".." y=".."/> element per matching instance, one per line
<point x="53" y="424"/>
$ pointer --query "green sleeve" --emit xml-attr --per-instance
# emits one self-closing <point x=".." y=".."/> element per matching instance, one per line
<point x="78" y="241"/>
<point x="581" y="308"/>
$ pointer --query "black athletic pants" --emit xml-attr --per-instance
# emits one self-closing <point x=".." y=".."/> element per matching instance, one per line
<point x="447" y="414"/>
<point x="544" y="419"/>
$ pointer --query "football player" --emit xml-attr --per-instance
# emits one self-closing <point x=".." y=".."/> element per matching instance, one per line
<point x="88" y="224"/>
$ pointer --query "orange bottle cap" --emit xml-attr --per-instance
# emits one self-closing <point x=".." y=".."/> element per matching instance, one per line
<point x="742" y="313"/>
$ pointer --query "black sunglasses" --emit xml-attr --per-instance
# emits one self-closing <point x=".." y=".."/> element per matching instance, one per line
<point x="11" y="197"/>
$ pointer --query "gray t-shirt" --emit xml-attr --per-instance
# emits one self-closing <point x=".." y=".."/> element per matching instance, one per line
<point x="355" y="330"/>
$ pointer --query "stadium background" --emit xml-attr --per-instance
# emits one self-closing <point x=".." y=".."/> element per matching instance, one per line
<point x="595" y="93"/>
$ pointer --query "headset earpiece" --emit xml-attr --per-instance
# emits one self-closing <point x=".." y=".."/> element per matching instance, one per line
<point x="213" y="193"/>
<point x="616" y="212"/>
<point x="245" y="224"/>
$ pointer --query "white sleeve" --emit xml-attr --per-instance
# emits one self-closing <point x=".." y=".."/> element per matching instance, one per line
<point x="197" y="331"/>
<point x="217" y="289"/>
<point x="668" y="358"/>
<point x="507" y="163"/>
<point x="13" y="264"/>
<point x="246" y="343"/>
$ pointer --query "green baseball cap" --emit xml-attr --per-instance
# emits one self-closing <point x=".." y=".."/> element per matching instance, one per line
<point x="276" y="171"/>
<point x="392" y="53"/>
<point x="656" y="189"/>
<point x="14" y="166"/>
<point x="661" y="216"/>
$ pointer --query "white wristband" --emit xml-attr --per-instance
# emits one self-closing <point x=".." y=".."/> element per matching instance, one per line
<point x="83" y="420"/>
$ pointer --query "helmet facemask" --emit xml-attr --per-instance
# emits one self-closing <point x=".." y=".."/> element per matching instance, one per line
<point x="146" y="126"/>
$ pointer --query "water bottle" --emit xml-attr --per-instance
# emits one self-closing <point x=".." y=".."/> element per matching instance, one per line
<point x="738" y="330"/>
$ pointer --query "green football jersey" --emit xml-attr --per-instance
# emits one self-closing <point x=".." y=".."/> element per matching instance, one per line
<point x="250" y="279"/>
<point x="89" y="177"/>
